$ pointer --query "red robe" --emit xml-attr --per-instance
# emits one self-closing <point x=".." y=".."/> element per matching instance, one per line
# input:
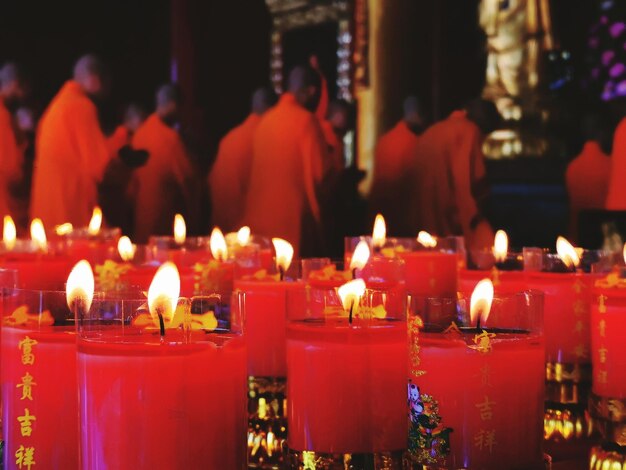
<point x="287" y="169"/>
<point x="393" y="159"/>
<point x="230" y="175"/>
<point x="616" y="198"/>
<point x="71" y="157"/>
<point x="162" y="187"/>
<point x="11" y="160"/>
<point x="449" y="180"/>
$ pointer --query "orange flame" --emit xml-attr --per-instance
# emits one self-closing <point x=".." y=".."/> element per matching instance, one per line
<point x="163" y="292"/>
<point x="126" y="248"/>
<point x="96" y="221"/>
<point x="80" y="286"/>
<point x="64" y="229"/>
<point x="360" y="256"/>
<point x="379" y="234"/>
<point x="500" y="246"/>
<point x="567" y="252"/>
<point x="9" y="233"/>
<point x="243" y="235"/>
<point x="284" y="253"/>
<point x="350" y="294"/>
<point x="480" y="302"/>
<point x="426" y="239"/>
<point x="38" y="235"/>
<point x="180" y="229"/>
<point x="624" y="252"/>
<point x="219" y="250"/>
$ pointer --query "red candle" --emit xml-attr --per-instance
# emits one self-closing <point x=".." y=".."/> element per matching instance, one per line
<point x="503" y="281"/>
<point x="431" y="273"/>
<point x="167" y="390"/>
<point x="39" y="400"/>
<point x="476" y="393"/>
<point x="346" y="378"/>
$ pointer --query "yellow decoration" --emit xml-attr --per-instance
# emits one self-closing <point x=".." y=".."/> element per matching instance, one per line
<point x="612" y="280"/>
<point x="108" y="275"/>
<point x="205" y="321"/>
<point x="482" y="342"/>
<point x="330" y="273"/>
<point x="21" y="317"/>
<point x="392" y="251"/>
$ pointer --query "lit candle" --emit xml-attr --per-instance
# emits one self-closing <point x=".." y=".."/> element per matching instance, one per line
<point x="379" y="233"/>
<point x="476" y="392"/>
<point x="327" y="276"/>
<point x="162" y="388"/>
<point x="93" y="243"/>
<point x="347" y="362"/>
<point x="182" y="250"/>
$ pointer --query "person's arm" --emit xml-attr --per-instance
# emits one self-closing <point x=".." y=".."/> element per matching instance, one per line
<point x="315" y="161"/>
<point x="90" y="140"/>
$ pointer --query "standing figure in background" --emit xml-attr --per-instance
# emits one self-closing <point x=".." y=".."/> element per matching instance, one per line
<point x="394" y="156"/>
<point x="71" y="150"/>
<point x="12" y="90"/>
<point x="230" y="176"/>
<point x="449" y="183"/>
<point x="164" y="186"/>
<point x="288" y="168"/>
<point x="587" y="176"/>
<point x="616" y="198"/>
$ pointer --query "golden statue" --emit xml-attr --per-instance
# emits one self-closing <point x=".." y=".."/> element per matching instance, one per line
<point x="518" y="31"/>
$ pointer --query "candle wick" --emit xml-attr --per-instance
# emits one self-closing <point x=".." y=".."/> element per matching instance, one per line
<point x="353" y="273"/>
<point x="350" y="314"/>
<point x="281" y="271"/>
<point x="478" y="324"/>
<point x="161" y="325"/>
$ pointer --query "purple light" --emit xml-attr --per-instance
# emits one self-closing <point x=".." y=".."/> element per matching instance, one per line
<point x="616" y="29"/>
<point x="616" y="70"/>
<point x="620" y="90"/>
<point x="607" y="57"/>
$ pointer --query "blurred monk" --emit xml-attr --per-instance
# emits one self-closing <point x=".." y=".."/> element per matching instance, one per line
<point x="134" y="116"/>
<point x="394" y="155"/>
<point x="616" y="198"/>
<point x="230" y="175"/>
<point x="71" y="150"/>
<point x="449" y="179"/>
<point x="12" y="90"/>
<point x="336" y="125"/>
<point x="288" y="167"/>
<point x="163" y="187"/>
<point x="587" y="176"/>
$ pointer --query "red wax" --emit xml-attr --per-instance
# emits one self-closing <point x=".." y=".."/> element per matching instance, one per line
<point x="493" y="401"/>
<point x="169" y="406"/>
<point x="346" y="387"/>
<point x="431" y="273"/>
<point x="266" y="319"/>
<point x="54" y="404"/>
<point x="608" y="324"/>
<point x="567" y="305"/>
<point x="267" y="258"/>
<point x="94" y="251"/>
<point x="504" y="282"/>
<point x="37" y="271"/>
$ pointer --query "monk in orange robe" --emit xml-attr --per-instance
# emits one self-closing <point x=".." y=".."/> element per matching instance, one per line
<point x="230" y="175"/>
<point x="11" y="157"/>
<point x="71" y="150"/>
<point x="587" y="176"/>
<point x="288" y="167"/>
<point x="394" y="155"/>
<point x="163" y="187"/>
<point x="616" y="198"/>
<point x="449" y="176"/>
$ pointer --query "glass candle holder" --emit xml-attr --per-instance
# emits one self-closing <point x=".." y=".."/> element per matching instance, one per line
<point x="95" y="248"/>
<point x="608" y="397"/>
<point x="192" y="250"/>
<point x="475" y="395"/>
<point x="148" y="400"/>
<point x="432" y="272"/>
<point x="39" y="390"/>
<point x="346" y="387"/>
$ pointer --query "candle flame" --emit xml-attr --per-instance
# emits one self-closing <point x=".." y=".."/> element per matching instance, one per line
<point x="624" y="252"/>
<point x="38" y="235"/>
<point x="64" y="229"/>
<point x="243" y="235"/>
<point x="500" y="246"/>
<point x="80" y="286"/>
<point x="180" y="229"/>
<point x="284" y="253"/>
<point x="96" y="221"/>
<point x="126" y="248"/>
<point x="379" y="234"/>
<point x="164" y="291"/>
<point x="360" y="256"/>
<point x="219" y="250"/>
<point x="480" y="302"/>
<point x="567" y="252"/>
<point x="426" y="239"/>
<point x="9" y="233"/>
<point x="351" y="292"/>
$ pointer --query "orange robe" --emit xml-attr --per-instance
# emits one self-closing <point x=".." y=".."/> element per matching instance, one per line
<point x="394" y="156"/>
<point x="587" y="178"/>
<point x="287" y="170"/>
<point x="120" y="138"/>
<point x="449" y="180"/>
<point x="11" y="161"/>
<point x="71" y="157"/>
<point x="161" y="187"/>
<point x="230" y="175"/>
<point x="616" y="198"/>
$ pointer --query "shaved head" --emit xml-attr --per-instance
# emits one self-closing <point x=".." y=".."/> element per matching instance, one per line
<point x="10" y="72"/>
<point x="262" y="99"/>
<point x="134" y="116"/>
<point x="413" y="114"/>
<point x="89" y="72"/>
<point x="341" y="116"/>
<point x="168" y="102"/>
<point x="304" y="83"/>
<point x="12" y="84"/>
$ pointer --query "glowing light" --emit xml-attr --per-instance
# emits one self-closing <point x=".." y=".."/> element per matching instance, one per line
<point x="360" y="256"/>
<point x="426" y="239"/>
<point x="379" y="234"/>
<point x="180" y="229"/>
<point x="219" y="250"/>
<point x="126" y="248"/>
<point x="9" y="233"/>
<point x="96" y="221"/>
<point x="163" y="292"/>
<point x="480" y="302"/>
<point x="38" y="235"/>
<point x="80" y="286"/>
<point x="567" y="252"/>
<point x="243" y="235"/>
<point x="500" y="246"/>
<point x="284" y="254"/>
